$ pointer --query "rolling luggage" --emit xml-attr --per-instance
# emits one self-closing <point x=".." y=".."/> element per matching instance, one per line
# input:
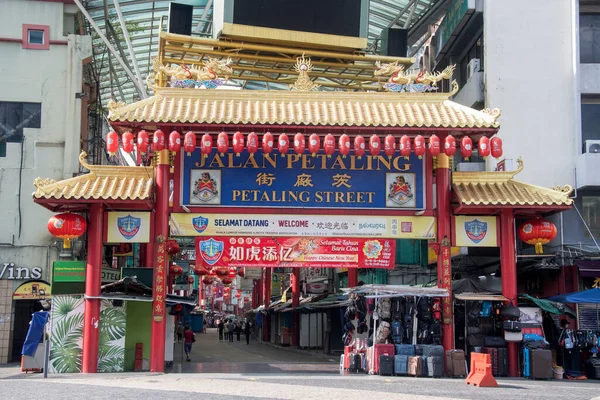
<point x="503" y="361"/>
<point x="493" y="352"/>
<point x="433" y="350"/>
<point x="415" y="366"/>
<point x="401" y="364"/>
<point x="526" y="362"/>
<point x="592" y="368"/>
<point x="541" y="364"/>
<point x="456" y="365"/>
<point x="435" y="366"/>
<point x="386" y="365"/>
<point x="420" y="349"/>
<point x="356" y="362"/>
<point x="424" y="369"/>
<point x="373" y="354"/>
<point x="405" y="349"/>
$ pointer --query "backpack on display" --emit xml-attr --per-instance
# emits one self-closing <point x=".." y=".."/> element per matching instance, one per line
<point x="396" y="328"/>
<point x="383" y="332"/>
<point x="385" y="308"/>
<point x="397" y="308"/>
<point x="486" y="308"/>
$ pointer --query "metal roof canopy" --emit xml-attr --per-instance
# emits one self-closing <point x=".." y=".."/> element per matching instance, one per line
<point x="384" y="291"/>
<point x="480" y="297"/>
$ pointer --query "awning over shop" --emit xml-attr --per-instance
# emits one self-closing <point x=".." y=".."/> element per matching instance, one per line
<point x="552" y="307"/>
<point x="588" y="268"/>
<point x="380" y="291"/>
<point x="480" y="297"/>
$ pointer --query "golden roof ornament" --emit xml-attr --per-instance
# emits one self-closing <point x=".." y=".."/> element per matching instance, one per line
<point x="494" y="113"/>
<point x="303" y="83"/>
<point x="419" y="81"/>
<point x="208" y="76"/>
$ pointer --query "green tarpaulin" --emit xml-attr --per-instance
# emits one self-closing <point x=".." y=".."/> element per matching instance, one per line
<point x="551" y="306"/>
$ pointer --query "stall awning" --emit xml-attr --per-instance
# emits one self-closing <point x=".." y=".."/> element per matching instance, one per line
<point x="380" y="291"/>
<point x="588" y="268"/>
<point x="550" y="306"/>
<point x="480" y="297"/>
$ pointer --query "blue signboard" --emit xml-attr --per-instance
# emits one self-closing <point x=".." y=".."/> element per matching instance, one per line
<point x="292" y="180"/>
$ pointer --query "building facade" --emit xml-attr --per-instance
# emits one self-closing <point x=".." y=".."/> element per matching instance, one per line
<point x="40" y="135"/>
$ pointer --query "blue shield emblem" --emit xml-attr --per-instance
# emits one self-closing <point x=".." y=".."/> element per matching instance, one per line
<point x="129" y="226"/>
<point x="476" y="230"/>
<point x="200" y="224"/>
<point x="211" y="251"/>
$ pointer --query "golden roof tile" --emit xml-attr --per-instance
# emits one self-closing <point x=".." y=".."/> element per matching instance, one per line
<point x="500" y="189"/>
<point x="102" y="182"/>
<point x="373" y="109"/>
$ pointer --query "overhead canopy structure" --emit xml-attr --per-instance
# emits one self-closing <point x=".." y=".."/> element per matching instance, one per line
<point x="480" y="297"/>
<point x="552" y="307"/>
<point x="590" y="296"/>
<point x="381" y="291"/>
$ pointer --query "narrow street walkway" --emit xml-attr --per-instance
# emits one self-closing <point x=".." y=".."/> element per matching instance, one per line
<point x="211" y="356"/>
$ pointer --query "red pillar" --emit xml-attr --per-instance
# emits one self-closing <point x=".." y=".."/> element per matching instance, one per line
<point x="161" y="231"/>
<point x="509" y="276"/>
<point x="352" y="277"/>
<point x="442" y="179"/>
<point x="295" y="281"/>
<point x="93" y="283"/>
<point x="267" y="301"/>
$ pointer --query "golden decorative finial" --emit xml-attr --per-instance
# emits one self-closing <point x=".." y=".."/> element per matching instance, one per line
<point x="303" y="83"/>
<point x="494" y="113"/>
<point x="39" y="182"/>
<point x="566" y="189"/>
<point x="82" y="161"/>
<point x="114" y="105"/>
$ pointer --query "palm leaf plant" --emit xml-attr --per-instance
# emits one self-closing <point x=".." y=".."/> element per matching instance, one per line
<point x="65" y="353"/>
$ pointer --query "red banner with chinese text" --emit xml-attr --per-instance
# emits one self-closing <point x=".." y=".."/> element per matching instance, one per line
<point x="295" y="252"/>
<point x="446" y="282"/>
<point x="160" y="274"/>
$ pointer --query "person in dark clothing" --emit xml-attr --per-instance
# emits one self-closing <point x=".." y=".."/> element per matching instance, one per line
<point x="238" y="330"/>
<point x="247" y="331"/>
<point x="188" y="339"/>
<point x="221" y="327"/>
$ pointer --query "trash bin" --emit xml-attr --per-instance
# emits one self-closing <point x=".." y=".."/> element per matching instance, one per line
<point x="197" y="322"/>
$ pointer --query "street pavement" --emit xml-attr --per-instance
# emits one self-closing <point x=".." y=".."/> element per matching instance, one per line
<point x="236" y="371"/>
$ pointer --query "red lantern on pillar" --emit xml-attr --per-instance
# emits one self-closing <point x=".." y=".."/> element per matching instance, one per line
<point x="176" y="270"/>
<point x="329" y="145"/>
<point x="299" y="143"/>
<point x="207" y="280"/>
<point x="419" y="146"/>
<point x="405" y="146"/>
<point x="222" y="143"/>
<point x="283" y="144"/>
<point x="158" y="140"/>
<point x="221" y="271"/>
<point x="483" y="145"/>
<point x="172" y="247"/>
<point x="434" y="145"/>
<point x="67" y="226"/>
<point x="238" y="143"/>
<point x="189" y="143"/>
<point x="344" y="145"/>
<point x="191" y="279"/>
<point x="241" y="272"/>
<point x="450" y="146"/>
<point x="466" y="147"/>
<point x="537" y="232"/>
<point x="200" y="271"/>
<point x="112" y="143"/>
<point x="252" y="143"/>
<point x="374" y="145"/>
<point x="359" y="146"/>
<point x="496" y="147"/>
<point x="389" y="146"/>
<point x="143" y="140"/>
<point x="267" y="143"/>
<point x="226" y="280"/>
<point x="128" y="142"/>
<point x="238" y="295"/>
<point x="314" y="143"/>
<point x="175" y="142"/>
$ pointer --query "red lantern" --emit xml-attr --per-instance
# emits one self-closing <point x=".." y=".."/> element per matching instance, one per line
<point x="189" y="143"/>
<point x="537" y="232"/>
<point x="405" y="146"/>
<point x="314" y="143"/>
<point x="222" y="143"/>
<point x="283" y="144"/>
<point x="172" y="247"/>
<point x="177" y="307"/>
<point x="112" y="143"/>
<point x="450" y="146"/>
<point x="238" y="143"/>
<point x="207" y="280"/>
<point x="389" y="146"/>
<point x="238" y="295"/>
<point x="128" y="142"/>
<point x="227" y="281"/>
<point x="158" y="140"/>
<point x="419" y="146"/>
<point x="143" y="141"/>
<point x="359" y="146"/>
<point x="175" y="142"/>
<point x="200" y="271"/>
<point x="374" y="145"/>
<point x="226" y="290"/>
<point x="176" y="270"/>
<point x="434" y="145"/>
<point x="252" y="144"/>
<point x="206" y="144"/>
<point x="191" y="279"/>
<point x="221" y="271"/>
<point x="241" y="272"/>
<point x="299" y="143"/>
<point x="496" y="147"/>
<point x="344" y="145"/>
<point x="267" y="143"/>
<point x="329" y="144"/>
<point x="67" y="226"/>
<point x="466" y="147"/>
<point x="483" y="146"/>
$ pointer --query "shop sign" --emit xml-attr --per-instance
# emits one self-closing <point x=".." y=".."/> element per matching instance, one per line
<point x="252" y="273"/>
<point x="453" y="21"/>
<point x="475" y="231"/>
<point x="33" y="290"/>
<point x="301" y="180"/>
<point x="397" y="227"/>
<point x="68" y="271"/>
<point x="314" y="274"/>
<point x="128" y="227"/>
<point x="110" y="275"/>
<point x="446" y="281"/>
<point x="10" y="272"/>
<point x="295" y="252"/>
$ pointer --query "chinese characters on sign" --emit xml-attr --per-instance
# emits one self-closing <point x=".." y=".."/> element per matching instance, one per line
<point x="160" y="274"/>
<point x="446" y="283"/>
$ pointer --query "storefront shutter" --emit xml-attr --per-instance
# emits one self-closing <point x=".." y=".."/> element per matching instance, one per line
<point x="588" y="316"/>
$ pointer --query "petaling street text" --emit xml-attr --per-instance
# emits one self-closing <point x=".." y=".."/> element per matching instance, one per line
<point x="284" y="196"/>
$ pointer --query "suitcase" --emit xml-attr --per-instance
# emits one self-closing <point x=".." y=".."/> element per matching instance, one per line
<point x="503" y="361"/>
<point x="433" y="350"/>
<point x="493" y="352"/>
<point x="356" y="362"/>
<point x="420" y="349"/>
<point x="435" y="366"/>
<point x="386" y="364"/>
<point x="405" y="349"/>
<point x="541" y="364"/>
<point x="572" y="361"/>
<point x="456" y="364"/>
<point x="373" y="354"/>
<point x="424" y="370"/>
<point x="592" y="368"/>
<point x="415" y="366"/>
<point x="526" y="362"/>
<point x="401" y="364"/>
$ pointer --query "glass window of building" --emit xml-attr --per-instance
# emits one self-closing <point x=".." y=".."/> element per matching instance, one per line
<point x="35" y="36"/>
<point x="589" y="38"/>
<point x="590" y="121"/>
<point x="15" y="116"/>
<point x="591" y="214"/>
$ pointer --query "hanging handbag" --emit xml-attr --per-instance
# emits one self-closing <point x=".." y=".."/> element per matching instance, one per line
<point x="511" y="312"/>
<point x="512" y="326"/>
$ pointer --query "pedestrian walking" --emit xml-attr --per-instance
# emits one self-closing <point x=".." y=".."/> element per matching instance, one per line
<point x="226" y="338"/>
<point x="188" y="338"/>
<point x="238" y="330"/>
<point x="221" y="329"/>
<point x="231" y="328"/>
<point x="247" y="331"/>
<point x="179" y="332"/>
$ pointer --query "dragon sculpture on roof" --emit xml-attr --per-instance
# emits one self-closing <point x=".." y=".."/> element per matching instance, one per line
<point x="183" y="76"/>
<point x="420" y="81"/>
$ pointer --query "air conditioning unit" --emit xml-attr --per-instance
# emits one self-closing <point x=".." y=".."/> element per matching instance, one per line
<point x="472" y="67"/>
<point x="470" y="167"/>
<point x="592" y="146"/>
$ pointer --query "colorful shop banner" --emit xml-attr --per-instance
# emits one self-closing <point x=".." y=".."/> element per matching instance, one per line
<point x="295" y="252"/>
<point x="32" y="290"/>
<point x="128" y="227"/>
<point x="301" y="180"/>
<point x="474" y="231"/>
<point x="397" y="227"/>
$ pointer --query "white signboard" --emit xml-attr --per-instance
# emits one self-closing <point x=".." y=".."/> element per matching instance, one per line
<point x="253" y="273"/>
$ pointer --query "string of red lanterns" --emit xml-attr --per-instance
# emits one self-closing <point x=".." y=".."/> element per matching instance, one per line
<point x="406" y="145"/>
